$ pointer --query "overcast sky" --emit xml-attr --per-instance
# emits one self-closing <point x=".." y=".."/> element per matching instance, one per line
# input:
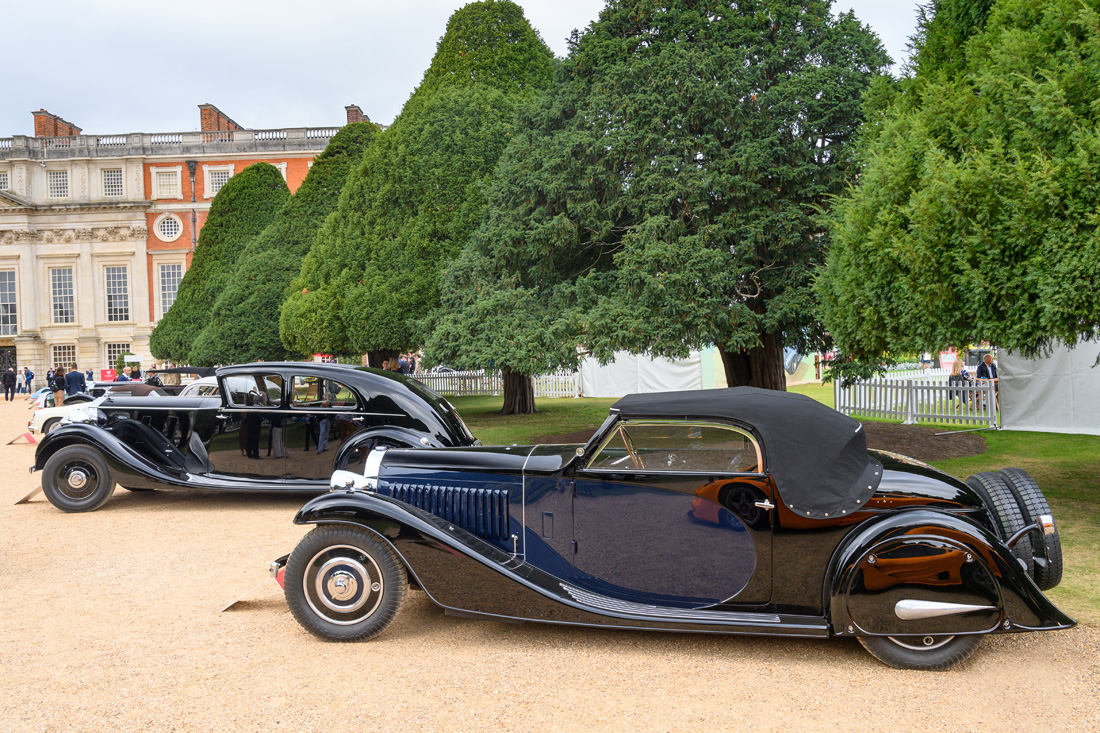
<point x="118" y="66"/>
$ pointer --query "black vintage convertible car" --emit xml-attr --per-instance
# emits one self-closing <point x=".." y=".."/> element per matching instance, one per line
<point x="273" y="427"/>
<point x="736" y="511"/>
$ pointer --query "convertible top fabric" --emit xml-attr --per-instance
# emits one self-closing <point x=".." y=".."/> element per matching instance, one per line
<point x="816" y="456"/>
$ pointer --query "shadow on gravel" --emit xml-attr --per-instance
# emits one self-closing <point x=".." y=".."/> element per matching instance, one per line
<point x="203" y="501"/>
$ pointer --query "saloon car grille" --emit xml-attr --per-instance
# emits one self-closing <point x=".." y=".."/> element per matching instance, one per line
<point x="481" y="511"/>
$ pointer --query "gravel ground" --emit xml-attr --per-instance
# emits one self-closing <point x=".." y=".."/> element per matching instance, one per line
<point x="109" y="621"/>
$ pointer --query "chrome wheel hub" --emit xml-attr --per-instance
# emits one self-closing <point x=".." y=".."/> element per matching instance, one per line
<point x="343" y="585"/>
<point x="77" y="479"/>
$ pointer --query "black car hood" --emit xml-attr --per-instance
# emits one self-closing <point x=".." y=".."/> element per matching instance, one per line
<point x="511" y="458"/>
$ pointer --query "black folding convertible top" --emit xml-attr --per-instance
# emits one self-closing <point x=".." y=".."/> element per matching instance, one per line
<point x="817" y="456"/>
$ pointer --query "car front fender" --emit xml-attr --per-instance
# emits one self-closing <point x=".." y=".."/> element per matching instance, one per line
<point x="140" y="471"/>
<point x="924" y="572"/>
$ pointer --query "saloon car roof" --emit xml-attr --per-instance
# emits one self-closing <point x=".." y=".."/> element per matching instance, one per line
<point x="817" y="456"/>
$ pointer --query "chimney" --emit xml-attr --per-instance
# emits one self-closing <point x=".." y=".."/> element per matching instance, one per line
<point x="355" y="114"/>
<point x="50" y="125"/>
<point x="211" y="118"/>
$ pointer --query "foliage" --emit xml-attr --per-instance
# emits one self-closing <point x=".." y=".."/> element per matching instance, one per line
<point x="975" y="218"/>
<point x="240" y="326"/>
<point x="244" y="206"/>
<point x="372" y="276"/>
<point x="663" y="196"/>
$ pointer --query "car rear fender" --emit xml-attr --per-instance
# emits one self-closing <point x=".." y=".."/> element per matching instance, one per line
<point x="353" y="453"/>
<point x="923" y="571"/>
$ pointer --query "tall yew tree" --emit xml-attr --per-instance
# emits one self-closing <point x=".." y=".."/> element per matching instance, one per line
<point x="665" y="195"/>
<point x="370" y="281"/>
<point x="241" y="326"/>
<point x="243" y="208"/>
<point x="976" y="215"/>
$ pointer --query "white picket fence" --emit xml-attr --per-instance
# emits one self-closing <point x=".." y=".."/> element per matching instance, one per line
<point x="919" y="400"/>
<point x="463" y="384"/>
<point x="932" y="375"/>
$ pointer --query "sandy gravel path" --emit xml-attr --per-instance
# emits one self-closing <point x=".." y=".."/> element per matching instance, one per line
<point x="109" y="621"/>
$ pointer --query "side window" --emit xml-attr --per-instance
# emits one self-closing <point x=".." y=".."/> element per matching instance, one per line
<point x="314" y="392"/>
<point x="255" y="390"/>
<point x="678" y="446"/>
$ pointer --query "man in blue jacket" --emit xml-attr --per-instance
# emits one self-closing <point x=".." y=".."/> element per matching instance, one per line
<point x="74" y="382"/>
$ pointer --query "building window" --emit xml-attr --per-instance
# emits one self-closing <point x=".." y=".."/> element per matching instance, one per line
<point x="170" y="276"/>
<point x="61" y="293"/>
<point x="216" y="178"/>
<point x="8" y="324"/>
<point x="58" y="184"/>
<point x="113" y="352"/>
<point x="112" y="182"/>
<point x="168" y="227"/>
<point x="4" y="184"/>
<point x="63" y="356"/>
<point x="168" y="184"/>
<point x="118" y="296"/>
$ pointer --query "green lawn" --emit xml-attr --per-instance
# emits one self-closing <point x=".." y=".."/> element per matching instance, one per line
<point x="1067" y="467"/>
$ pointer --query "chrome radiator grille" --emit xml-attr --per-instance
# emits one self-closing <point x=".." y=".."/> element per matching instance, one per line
<point x="483" y="512"/>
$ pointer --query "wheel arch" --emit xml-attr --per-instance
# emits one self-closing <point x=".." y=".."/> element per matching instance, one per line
<point x="931" y="556"/>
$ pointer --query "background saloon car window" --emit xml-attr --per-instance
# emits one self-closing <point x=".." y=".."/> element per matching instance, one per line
<point x="255" y="390"/>
<point x="320" y="392"/>
<point x="669" y="447"/>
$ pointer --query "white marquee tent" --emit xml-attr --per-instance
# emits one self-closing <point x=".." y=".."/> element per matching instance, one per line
<point x="1059" y="394"/>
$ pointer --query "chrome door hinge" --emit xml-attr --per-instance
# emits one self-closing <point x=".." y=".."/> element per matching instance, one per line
<point x="764" y="504"/>
<point x="573" y="546"/>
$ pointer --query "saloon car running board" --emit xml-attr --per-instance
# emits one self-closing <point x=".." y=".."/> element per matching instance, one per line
<point x="687" y="614"/>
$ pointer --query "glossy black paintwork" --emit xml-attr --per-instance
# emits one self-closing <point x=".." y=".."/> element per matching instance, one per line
<point x="392" y="410"/>
<point x="650" y="568"/>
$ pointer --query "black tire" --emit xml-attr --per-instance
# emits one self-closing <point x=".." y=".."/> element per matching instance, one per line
<point x="934" y="653"/>
<point x="77" y="479"/>
<point x="344" y="583"/>
<point x="1048" y="551"/>
<point x="1002" y="504"/>
<point x="49" y="425"/>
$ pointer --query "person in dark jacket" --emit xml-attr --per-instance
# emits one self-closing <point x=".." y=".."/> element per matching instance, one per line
<point x="9" y="379"/>
<point x="74" y="382"/>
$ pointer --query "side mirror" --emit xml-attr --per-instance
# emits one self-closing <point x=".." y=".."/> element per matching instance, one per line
<point x="348" y="480"/>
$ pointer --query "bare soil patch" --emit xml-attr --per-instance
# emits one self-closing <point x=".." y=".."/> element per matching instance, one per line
<point x="109" y="622"/>
<point x="915" y="441"/>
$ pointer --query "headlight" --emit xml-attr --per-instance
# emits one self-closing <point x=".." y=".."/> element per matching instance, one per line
<point x="88" y="415"/>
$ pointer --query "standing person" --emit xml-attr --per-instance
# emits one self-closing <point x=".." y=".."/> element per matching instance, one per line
<point x="135" y="375"/>
<point x="28" y="375"/>
<point x="49" y="377"/>
<point x="89" y="375"/>
<point x="987" y="369"/>
<point x="125" y="376"/>
<point x="74" y="382"/>
<point x="58" y="386"/>
<point x="9" y="380"/>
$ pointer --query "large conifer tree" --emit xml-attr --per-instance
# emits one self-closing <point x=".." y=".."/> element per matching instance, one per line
<point x="371" y="278"/>
<point x="976" y="217"/>
<point x="243" y="322"/>
<point x="243" y="208"/>
<point x="664" y="197"/>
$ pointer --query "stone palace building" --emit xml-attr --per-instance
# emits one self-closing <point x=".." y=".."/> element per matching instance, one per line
<point x="96" y="231"/>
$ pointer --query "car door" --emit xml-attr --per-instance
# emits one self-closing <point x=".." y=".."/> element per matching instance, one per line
<point x="323" y="413"/>
<point x="674" y="513"/>
<point x="243" y="442"/>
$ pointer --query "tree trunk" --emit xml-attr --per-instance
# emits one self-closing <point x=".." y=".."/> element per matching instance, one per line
<point x="519" y="394"/>
<point x="761" y="366"/>
<point x="378" y="359"/>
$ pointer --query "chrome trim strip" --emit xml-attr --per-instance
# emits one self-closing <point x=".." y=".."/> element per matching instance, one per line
<point x="330" y="411"/>
<point x="644" y="609"/>
<point x="909" y="609"/>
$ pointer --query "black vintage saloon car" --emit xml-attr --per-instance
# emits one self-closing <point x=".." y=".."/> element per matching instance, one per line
<point x="736" y="511"/>
<point x="273" y="427"/>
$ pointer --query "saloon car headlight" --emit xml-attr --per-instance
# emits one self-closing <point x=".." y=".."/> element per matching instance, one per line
<point x="88" y="415"/>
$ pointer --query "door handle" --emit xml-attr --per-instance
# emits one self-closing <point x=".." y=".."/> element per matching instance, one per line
<point x="764" y="504"/>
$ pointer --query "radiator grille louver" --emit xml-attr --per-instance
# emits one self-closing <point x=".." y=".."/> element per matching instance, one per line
<point x="483" y="512"/>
